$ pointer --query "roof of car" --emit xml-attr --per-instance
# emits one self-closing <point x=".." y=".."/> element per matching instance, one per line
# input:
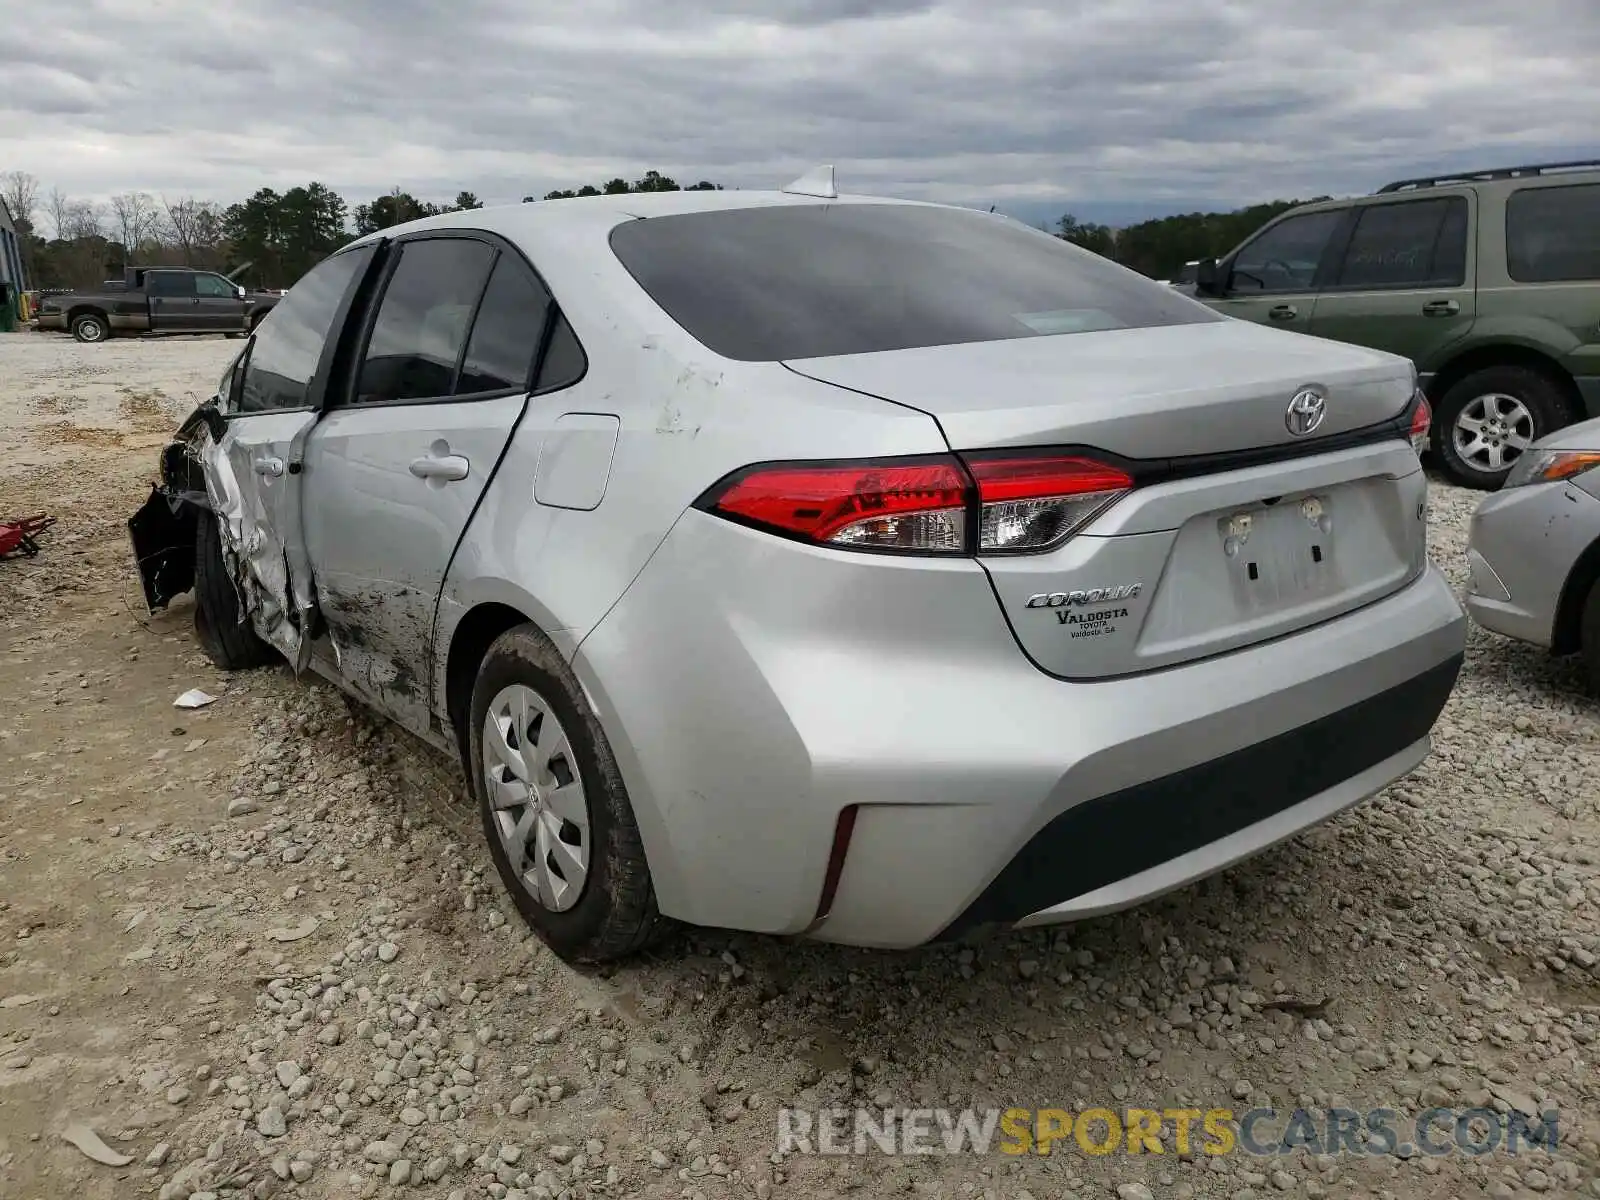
<point x="573" y="212"/>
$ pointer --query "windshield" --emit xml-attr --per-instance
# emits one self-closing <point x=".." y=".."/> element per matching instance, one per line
<point x="814" y="280"/>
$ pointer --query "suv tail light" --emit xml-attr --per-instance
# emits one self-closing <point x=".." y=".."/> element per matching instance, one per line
<point x="1421" y="419"/>
<point x="979" y="504"/>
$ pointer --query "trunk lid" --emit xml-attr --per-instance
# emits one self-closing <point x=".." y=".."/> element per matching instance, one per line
<point x="1165" y="392"/>
<point x="1197" y="561"/>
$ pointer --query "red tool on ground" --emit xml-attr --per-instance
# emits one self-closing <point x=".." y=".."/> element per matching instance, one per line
<point x="19" y="536"/>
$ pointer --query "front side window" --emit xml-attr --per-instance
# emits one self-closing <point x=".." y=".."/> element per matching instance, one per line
<point x="422" y="320"/>
<point x="1286" y="256"/>
<point x="1553" y="233"/>
<point x="285" y="352"/>
<point x="1415" y="243"/>
<point x="796" y="281"/>
<point x="214" y="286"/>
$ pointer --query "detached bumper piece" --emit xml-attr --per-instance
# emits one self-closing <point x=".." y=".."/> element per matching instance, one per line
<point x="1112" y="837"/>
<point x="163" y="530"/>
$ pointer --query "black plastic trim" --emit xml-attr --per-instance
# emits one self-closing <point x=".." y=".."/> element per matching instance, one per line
<point x="1114" y="836"/>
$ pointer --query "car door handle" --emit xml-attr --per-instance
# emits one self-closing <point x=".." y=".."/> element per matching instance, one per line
<point x="440" y="466"/>
<point x="1440" y="308"/>
<point x="1283" y="312"/>
<point x="269" y="466"/>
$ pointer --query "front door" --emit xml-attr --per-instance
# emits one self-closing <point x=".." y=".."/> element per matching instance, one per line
<point x="1272" y="278"/>
<point x="396" y="466"/>
<point x="174" y="306"/>
<point x="254" y="473"/>
<point x="218" y="307"/>
<point x="1404" y="281"/>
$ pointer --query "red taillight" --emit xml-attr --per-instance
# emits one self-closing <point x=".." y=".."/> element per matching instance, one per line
<point x="1421" y="419"/>
<point x="911" y="505"/>
<point x="1035" y="503"/>
<point x="920" y="506"/>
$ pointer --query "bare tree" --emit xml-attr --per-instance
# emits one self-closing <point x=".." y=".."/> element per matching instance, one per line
<point x="20" y="191"/>
<point x="59" y="206"/>
<point x="84" y="219"/>
<point x="182" y="218"/>
<point x="135" y="214"/>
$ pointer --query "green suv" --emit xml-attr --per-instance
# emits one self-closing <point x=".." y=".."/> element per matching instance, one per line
<point x="1489" y="281"/>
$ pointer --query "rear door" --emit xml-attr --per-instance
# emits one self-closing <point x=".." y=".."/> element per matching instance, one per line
<point x="253" y="473"/>
<point x="218" y="307"/>
<point x="174" y="306"/>
<point x="1403" y="279"/>
<point x="396" y="467"/>
<point x="1272" y="278"/>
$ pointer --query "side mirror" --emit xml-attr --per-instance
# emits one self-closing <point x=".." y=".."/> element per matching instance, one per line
<point x="238" y="291"/>
<point x="1207" y="279"/>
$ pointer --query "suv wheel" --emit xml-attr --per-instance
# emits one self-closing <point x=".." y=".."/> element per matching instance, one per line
<point x="1486" y="421"/>
<point x="555" y="811"/>
<point x="225" y="635"/>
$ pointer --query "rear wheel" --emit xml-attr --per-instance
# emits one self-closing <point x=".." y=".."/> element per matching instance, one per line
<point x="555" y="812"/>
<point x="228" y="640"/>
<point x="90" y="327"/>
<point x="1486" y="421"/>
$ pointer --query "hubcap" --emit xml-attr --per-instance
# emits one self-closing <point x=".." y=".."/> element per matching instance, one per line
<point x="90" y="331"/>
<point x="1492" y="431"/>
<point x="536" y="796"/>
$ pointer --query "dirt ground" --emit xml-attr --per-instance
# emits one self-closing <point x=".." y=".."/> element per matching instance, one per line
<point x="257" y="946"/>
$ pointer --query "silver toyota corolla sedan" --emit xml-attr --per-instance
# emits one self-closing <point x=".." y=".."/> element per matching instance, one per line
<point x="1533" y="552"/>
<point x="821" y="565"/>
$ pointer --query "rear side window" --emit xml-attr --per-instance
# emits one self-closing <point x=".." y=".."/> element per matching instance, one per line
<point x="423" y="319"/>
<point x="288" y="345"/>
<point x="1553" y="233"/>
<point x="813" y="280"/>
<point x="169" y="283"/>
<point x="1417" y="243"/>
<point x="505" y="337"/>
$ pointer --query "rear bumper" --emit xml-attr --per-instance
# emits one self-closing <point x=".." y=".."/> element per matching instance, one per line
<point x="1117" y="849"/>
<point x="753" y="689"/>
<point x="1521" y="546"/>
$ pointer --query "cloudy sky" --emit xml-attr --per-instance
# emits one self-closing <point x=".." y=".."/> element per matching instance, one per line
<point x="1112" y="109"/>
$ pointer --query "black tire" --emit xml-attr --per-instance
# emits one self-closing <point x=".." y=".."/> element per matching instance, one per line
<point x="257" y="317"/>
<point x="1540" y="395"/>
<point x="1589" y="638"/>
<point x="228" y="642"/>
<point x="235" y="336"/>
<point x="615" y="914"/>
<point x="90" y="327"/>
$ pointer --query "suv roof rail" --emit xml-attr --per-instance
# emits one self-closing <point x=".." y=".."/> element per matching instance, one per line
<point x="1482" y="176"/>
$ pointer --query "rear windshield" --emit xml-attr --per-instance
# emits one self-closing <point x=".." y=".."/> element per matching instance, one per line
<point x="813" y="280"/>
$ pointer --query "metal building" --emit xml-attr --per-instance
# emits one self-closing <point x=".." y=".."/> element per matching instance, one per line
<point x="12" y="282"/>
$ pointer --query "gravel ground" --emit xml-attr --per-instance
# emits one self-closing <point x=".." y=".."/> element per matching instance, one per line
<point x="259" y="949"/>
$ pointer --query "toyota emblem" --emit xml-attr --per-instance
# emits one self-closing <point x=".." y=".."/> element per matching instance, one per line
<point x="1306" y="411"/>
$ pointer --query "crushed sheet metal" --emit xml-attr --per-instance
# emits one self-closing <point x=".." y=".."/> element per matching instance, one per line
<point x="255" y="558"/>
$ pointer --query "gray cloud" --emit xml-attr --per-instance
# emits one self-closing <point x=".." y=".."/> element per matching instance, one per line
<point x="1166" y="101"/>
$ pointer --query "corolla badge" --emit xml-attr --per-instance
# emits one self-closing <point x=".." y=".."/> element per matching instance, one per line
<point x="1306" y="411"/>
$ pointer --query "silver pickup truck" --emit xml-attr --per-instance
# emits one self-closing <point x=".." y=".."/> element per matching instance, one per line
<point x="157" y="300"/>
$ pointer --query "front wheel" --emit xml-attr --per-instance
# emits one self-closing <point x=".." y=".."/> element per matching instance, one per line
<point x="224" y="631"/>
<point x="555" y="812"/>
<point x="1489" y="419"/>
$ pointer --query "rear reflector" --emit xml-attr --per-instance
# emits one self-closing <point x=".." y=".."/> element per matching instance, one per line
<point x="1024" y="503"/>
<point x="1421" y="419"/>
